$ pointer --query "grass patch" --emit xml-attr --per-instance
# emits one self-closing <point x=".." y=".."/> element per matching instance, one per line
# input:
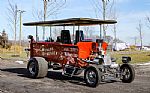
<point x="20" y="54"/>
<point x="136" y="56"/>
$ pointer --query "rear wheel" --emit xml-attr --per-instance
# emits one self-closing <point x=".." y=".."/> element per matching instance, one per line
<point x="128" y="73"/>
<point x="37" y="67"/>
<point x="92" y="76"/>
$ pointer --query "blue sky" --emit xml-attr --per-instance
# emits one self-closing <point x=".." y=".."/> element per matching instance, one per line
<point x="129" y="13"/>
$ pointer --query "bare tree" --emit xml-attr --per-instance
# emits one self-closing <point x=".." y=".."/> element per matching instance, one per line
<point x="135" y="39"/>
<point x="88" y="31"/>
<point x="51" y="7"/>
<point x="104" y="9"/>
<point x="148" y="21"/>
<point x="12" y="17"/>
<point x="139" y="28"/>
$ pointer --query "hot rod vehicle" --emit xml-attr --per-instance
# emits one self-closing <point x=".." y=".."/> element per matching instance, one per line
<point x="76" y="55"/>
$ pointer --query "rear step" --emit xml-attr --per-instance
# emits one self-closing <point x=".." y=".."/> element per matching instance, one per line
<point x="69" y="70"/>
<point x="56" y="66"/>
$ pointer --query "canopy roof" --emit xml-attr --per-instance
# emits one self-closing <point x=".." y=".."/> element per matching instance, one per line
<point x="71" y="22"/>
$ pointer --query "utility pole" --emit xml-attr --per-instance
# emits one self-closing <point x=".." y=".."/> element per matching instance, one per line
<point x="15" y="28"/>
<point x="20" y="34"/>
<point x="139" y="28"/>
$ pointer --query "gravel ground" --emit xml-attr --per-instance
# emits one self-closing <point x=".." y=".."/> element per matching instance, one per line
<point x="14" y="79"/>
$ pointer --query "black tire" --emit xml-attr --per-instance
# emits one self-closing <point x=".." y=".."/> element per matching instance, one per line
<point x="127" y="72"/>
<point x="92" y="76"/>
<point x="37" y="67"/>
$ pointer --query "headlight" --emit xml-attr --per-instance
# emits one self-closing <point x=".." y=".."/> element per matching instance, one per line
<point x="30" y="37"/>
<point x="126" y="59"/>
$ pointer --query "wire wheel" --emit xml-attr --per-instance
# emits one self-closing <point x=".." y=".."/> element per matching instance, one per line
<point x="127" y="72"/>
<point x="92" y="76"/>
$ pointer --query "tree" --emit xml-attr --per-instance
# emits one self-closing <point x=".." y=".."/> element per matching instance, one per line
<point x="135" y="39"/>
<point x="139" y="28"/>
<point x="12" y="17"/>
<point x="104" y="9"/>
<point x="88" y="31"/>
<point x="148" y="21"/>
<point x="109" y="39"/>
<point x="51" y="7"/>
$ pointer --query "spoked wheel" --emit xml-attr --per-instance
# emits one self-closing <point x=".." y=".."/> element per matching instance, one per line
<point x="37" y="67"/>
<point x="92" y="76"/>
<point x="127" y="72"/>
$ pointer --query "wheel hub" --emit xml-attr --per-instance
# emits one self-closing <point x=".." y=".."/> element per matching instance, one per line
<point x="91" y="76"/>
<point x="32" y="68"/>
<point x="126" y="73"/>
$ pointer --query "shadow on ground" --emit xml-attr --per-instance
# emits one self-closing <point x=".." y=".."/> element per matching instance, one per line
<point x="19" y="71"/>
<point x="58" y="76"/>
<point x="55" y="75"/>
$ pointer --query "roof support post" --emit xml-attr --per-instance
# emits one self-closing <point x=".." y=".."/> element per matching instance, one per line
<point x="79" y="32"/>
<point x="100" y="31"/>
<point x="78" y="27"/>
<point x="50" y="32"/>
<point x="63" y="27"/>
<point x="73" y="34"/>
<point x="36" y="33"/>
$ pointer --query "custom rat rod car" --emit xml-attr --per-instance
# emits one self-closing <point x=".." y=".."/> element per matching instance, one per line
<point x="76" y="55"/>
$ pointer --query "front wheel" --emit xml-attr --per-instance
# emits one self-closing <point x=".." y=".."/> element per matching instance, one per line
<point x="127" y="73"/>
<point x="92" y="76"/>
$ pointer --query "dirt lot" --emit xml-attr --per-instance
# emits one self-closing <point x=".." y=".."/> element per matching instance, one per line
<point x="14" y="79"/>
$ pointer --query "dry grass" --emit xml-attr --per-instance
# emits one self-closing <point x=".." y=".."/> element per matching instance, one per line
<point x="136" y="56"/>
<point x="9" y="53"/>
